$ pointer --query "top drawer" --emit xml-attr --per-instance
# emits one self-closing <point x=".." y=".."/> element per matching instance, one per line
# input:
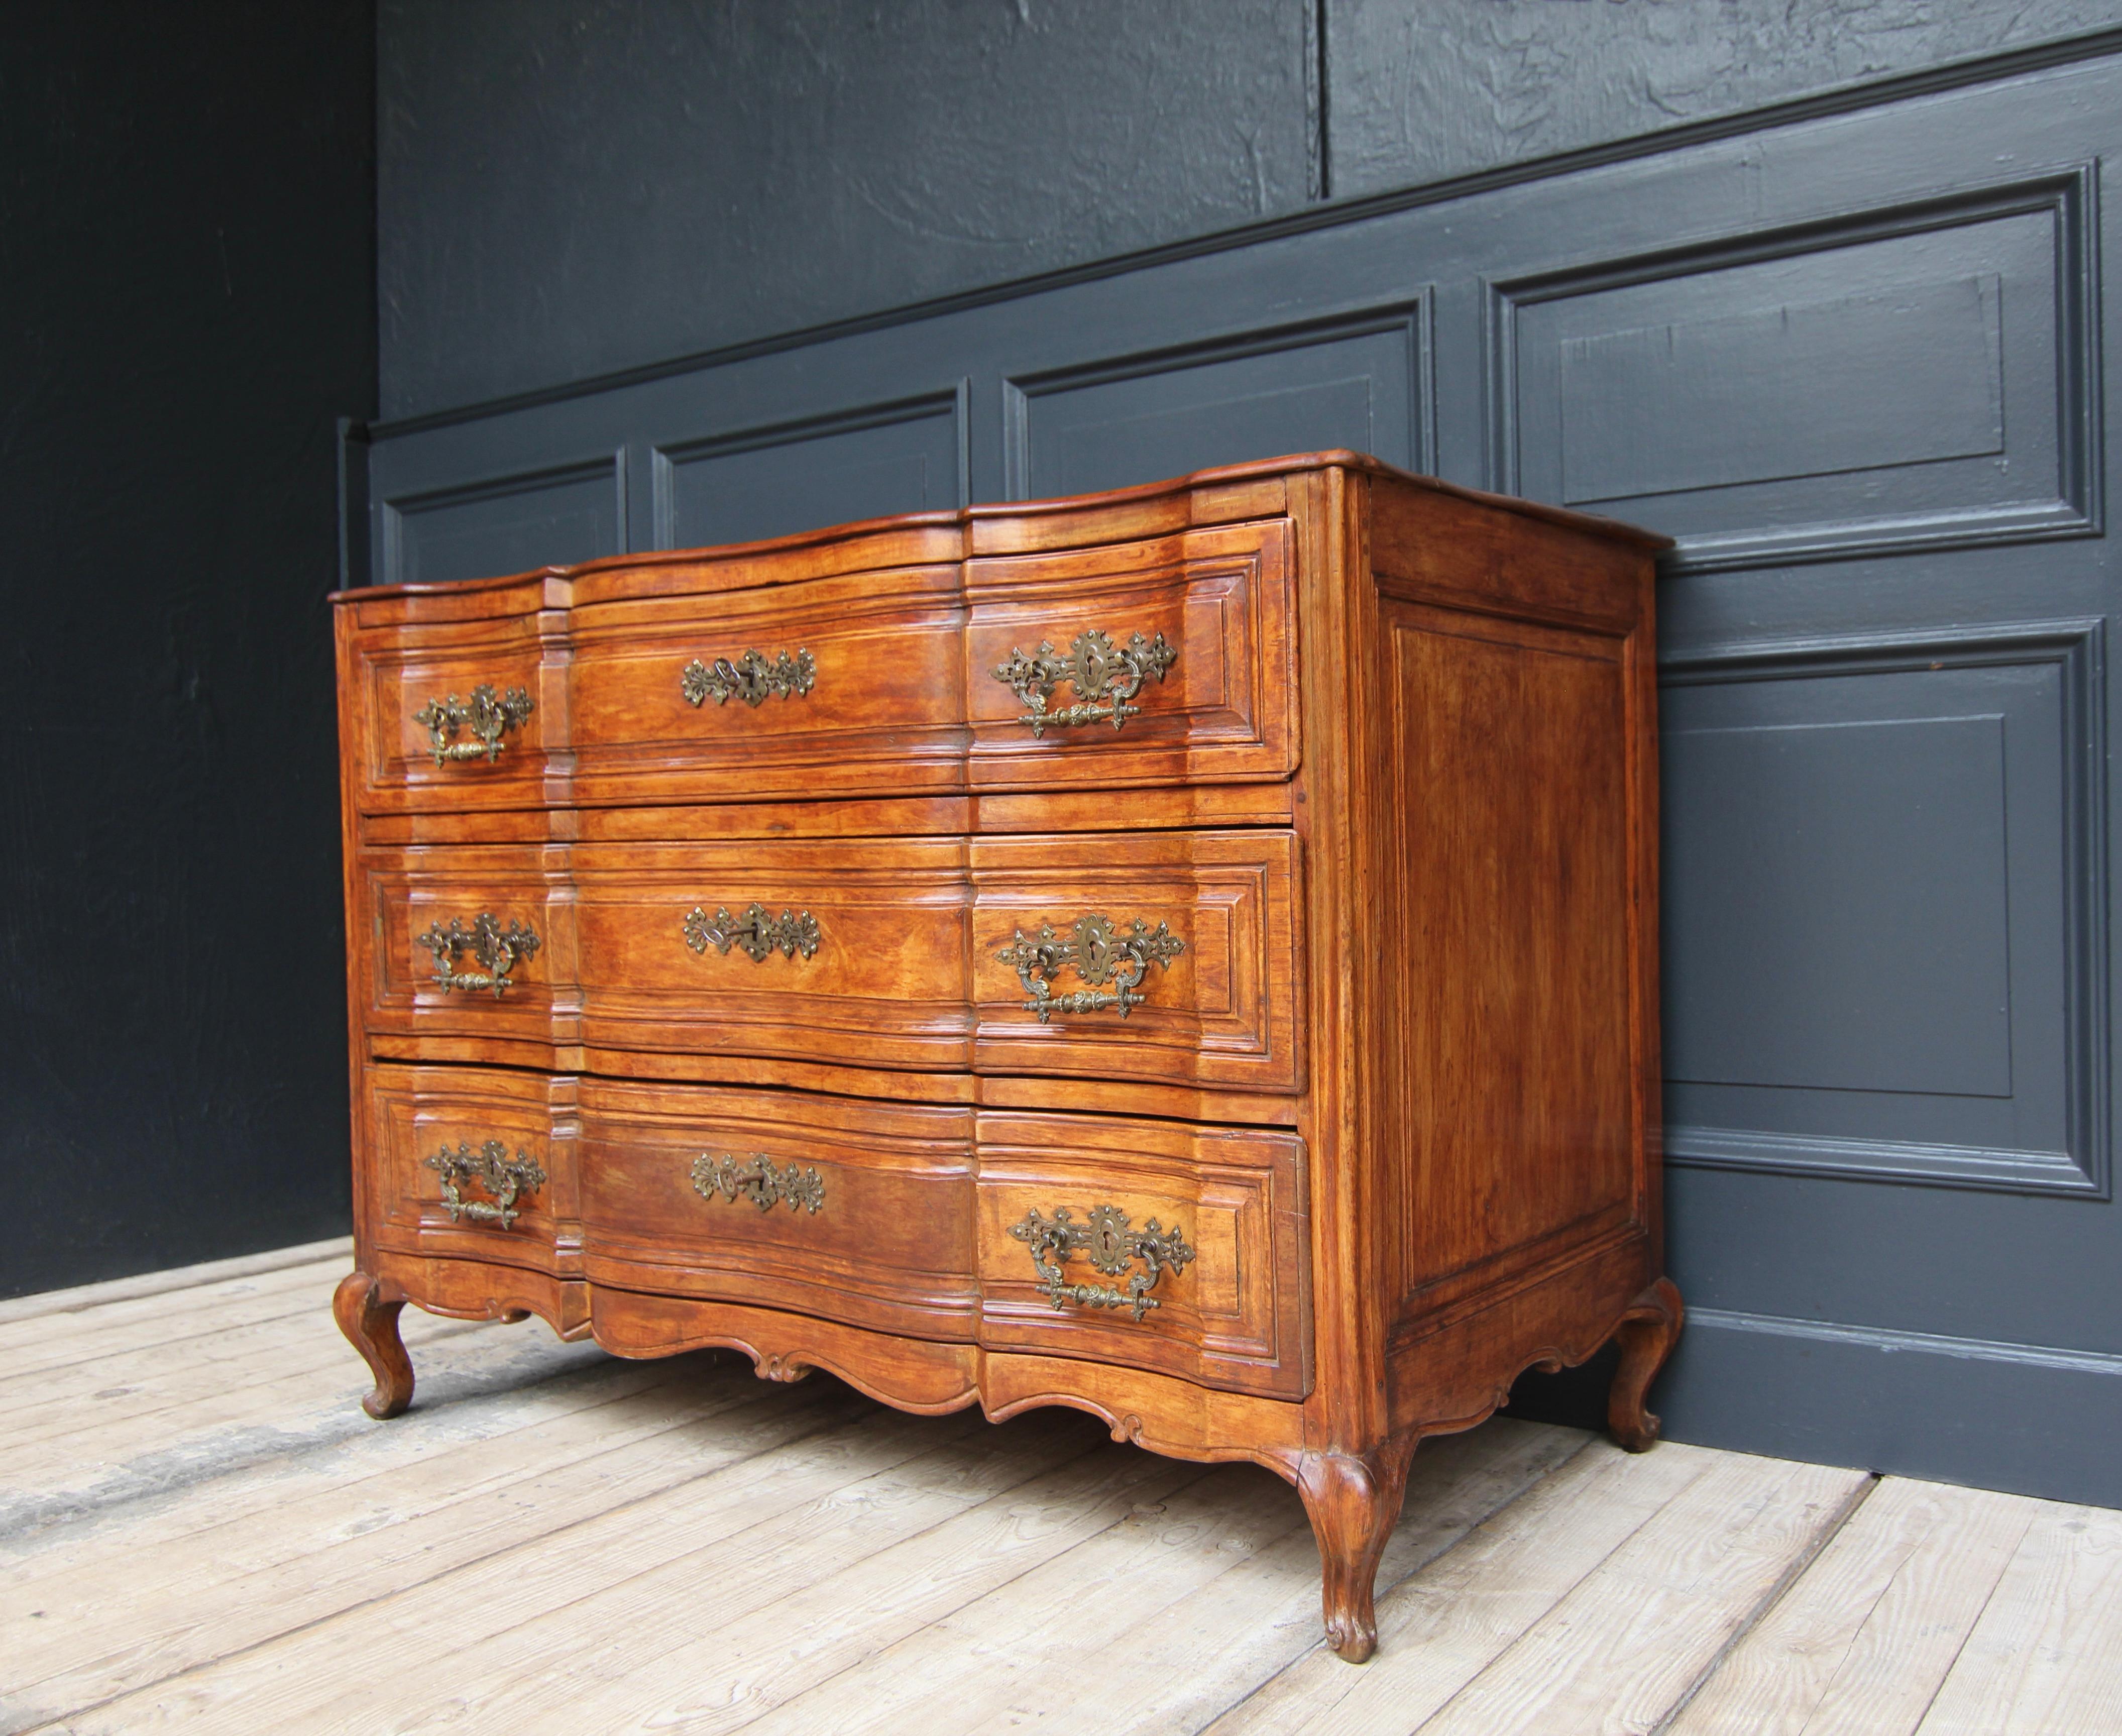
<point x="455" y="713"/>
<point x="1171" y="660"/>
<point x="839" y="686"/>
<point x="1167" y="660"/>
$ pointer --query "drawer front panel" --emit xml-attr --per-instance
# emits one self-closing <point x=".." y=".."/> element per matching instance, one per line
<point x="504" y="1140"/>
<point x="1231" y="1237"/>
<point x="1218" y="986"/>
<point x="859" y="1212"/>
<point x="839" y="686"/>
<point x="860" y="959"/>
<point x="411" y="899"/>
<point x="487" y="696"/>
<point x="1215" y="701"/>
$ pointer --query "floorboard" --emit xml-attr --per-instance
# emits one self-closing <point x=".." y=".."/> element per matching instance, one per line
<point x="200" y="1530"/>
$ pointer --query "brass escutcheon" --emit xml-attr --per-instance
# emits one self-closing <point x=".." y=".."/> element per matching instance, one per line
<point x="491" y="1168"/>
<point x="1111" y="1246"/>
<point x="758" y="1179"/>
<point x="758" y="932"/>
<point x="1105" y="676"/>
<point x="751" y="678"/>
<point x="499" y="952"/>
<point x="487" y="716"/>
<point x="1100" y="953"/>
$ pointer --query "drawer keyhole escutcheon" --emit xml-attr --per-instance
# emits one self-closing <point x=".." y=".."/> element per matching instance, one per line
<point x="758" y="932"/>
<point x="1110" y="1245"/>
<point x="759" y="1179"/>
<point x="1101" y="951"/>
<point x="499" y="952"/>
<point x="487" y="716"/>
<point x="491" y="1167"/>
<point x="1105" y="676"/>
<point x="752" y="678"/>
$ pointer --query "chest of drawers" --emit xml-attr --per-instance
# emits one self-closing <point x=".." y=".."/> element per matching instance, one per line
<point x="1188" y="953"/>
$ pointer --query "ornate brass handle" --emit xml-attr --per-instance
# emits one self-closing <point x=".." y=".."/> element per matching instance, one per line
<point x="499" y="952"/>
<point x="1102" y="954"/>
<point x="1110" y="1245"/>
<point x="491" y="1168"/>
<point x="1105" y="676"/>
<point x="750" y="678"/>
<point x="759" y="1180"/>
<point x="758" y="932"/>
<point x="487" y="716"/>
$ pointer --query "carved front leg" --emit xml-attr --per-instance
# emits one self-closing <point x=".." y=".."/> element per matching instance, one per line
<point x="1353" y="1503"/>
<point x="370" y="1325"/>
<point x="1648" y="1332"/>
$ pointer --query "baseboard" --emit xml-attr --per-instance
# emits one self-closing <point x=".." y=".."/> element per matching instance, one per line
<point x="177" y="1278"/>
<point x="2024" y="1418"/>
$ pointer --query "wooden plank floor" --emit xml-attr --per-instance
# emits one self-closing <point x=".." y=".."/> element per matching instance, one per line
<point x="199" y="1530"/>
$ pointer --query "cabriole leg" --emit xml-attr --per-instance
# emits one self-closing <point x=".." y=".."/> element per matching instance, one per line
<point x="370" y="1325"/>
<point x="1355" y="1503"/>
<point x="1648" y="1332"/>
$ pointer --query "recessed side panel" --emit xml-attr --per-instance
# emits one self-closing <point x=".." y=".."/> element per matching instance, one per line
<point x="1509" y="1126"/>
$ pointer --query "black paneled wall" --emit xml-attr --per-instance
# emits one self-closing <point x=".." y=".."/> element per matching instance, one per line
<point x="186" y="198"/>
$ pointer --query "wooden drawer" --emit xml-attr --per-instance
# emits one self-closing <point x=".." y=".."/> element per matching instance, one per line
<point x="1231" y="1202"/>
<point x="481" y="1130"/>
<point x="1219" y="999"/>
<point x="862" y="962"/>
<point x="487" y="692"/>
<point x="870" y="699"/>
<point x="1224" y="707"/>
<point x="868" y="1212"/>
<point x="409" y="898"/>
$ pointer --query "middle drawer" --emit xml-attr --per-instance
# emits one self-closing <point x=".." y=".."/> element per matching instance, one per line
<point x="1161" y="956"/>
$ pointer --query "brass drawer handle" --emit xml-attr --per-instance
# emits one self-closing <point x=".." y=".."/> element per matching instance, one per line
<point x="499" y="952"/>
<point x="1105" y="676"/>
<point x="489" y="719"/>
<point x="1110" y="1245"/>
<point x="491" y="1168"/>
<point x="1100" y="953"/>
<point x="759" y="932"/>
<point x="759" y="1180"/>
<point x="751" y="678"/>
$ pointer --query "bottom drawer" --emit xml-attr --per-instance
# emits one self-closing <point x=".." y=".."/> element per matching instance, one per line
<point x="1182" y="1250"/>
<point x="500" y="1142"/>
<point x="859" y="1212"/>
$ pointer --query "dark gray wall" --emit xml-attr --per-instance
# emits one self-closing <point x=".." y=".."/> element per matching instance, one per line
<point x="185" y="224"/>
<point x="1853" y="352"/>
<point x="571" y="188"/>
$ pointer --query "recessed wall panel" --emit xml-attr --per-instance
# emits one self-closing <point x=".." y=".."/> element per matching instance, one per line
<point x="748" y="486"/>
<point x="1352" y="383"/>
<point x="511" y="524"/>
<point x="1903" y="378"/>
<point x="1882" y="948"/>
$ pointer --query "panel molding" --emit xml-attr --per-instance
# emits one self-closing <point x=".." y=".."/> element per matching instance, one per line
<point x="666" y="457"/>
<point x="1411" y="315"/>
<point x="1933" y="1343"/>
<point x="2069" y="196"/>
<point x="2083" y="1169"/>
<point x="393" y="511"/>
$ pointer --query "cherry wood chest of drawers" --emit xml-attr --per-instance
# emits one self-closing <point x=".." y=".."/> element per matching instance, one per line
<point x="1188" y="953"/>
